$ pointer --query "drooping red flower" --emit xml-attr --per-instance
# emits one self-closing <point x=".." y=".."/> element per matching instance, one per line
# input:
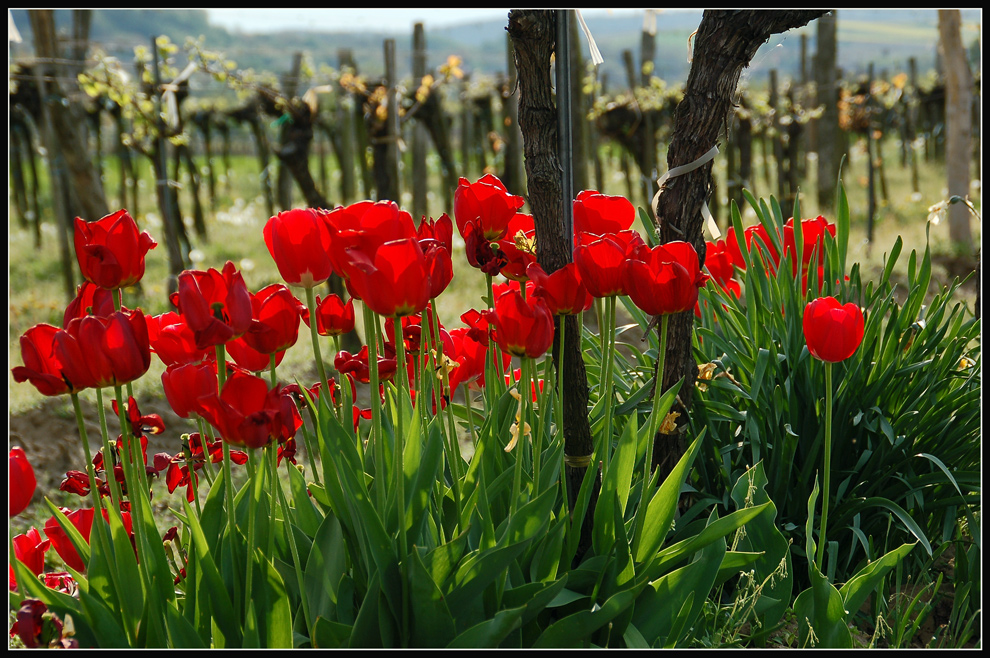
<point x="21" y="480"/>
<point x="39" y="628"/>
<point x="665" y="279"/>
<point x="299" y="242"/>
<point x="44" y="367"/>
<point x="469" y="355"/>
<point x="110" y="351"/>
<point x="333" y="316"/>
<point x="90" y="299"/>
<point x="111" y="251"/>
<point x="275" y="323"/>
<point x="563" y="291"/>
<point x="482" y="253"/>
<point x="440" y="229"/>
<point x="357" y="365"/>
<point x="832" y="330"/>
<point x="173" y="341"/>
<point x="394" y="280"/>
<point x="524" y="327"/>
<point x="598" y="213"/>
<point x="215" y="304"/>
<point x="30" y="549"/>
<point x="487" y="204"/>
<point x="248" y="413"/>
<point x="439" y="266"/>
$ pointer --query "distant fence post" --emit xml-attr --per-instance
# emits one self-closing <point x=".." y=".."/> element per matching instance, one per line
<point x="392" y="128"/>
<point x="419" y="172"/>
<point x="565" y="126"/>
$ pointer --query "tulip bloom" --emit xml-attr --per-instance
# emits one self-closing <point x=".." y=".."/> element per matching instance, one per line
<point x="299" y="242"/>
<point x="30" y="549"/>
<point x="598" y="213"/>
<point x="21" y="480"/>
<point x="249" y="358"/>
<point x="44" y="367"/>
<point x="365" y="226"/>
<point x="833" y="331"/>
<point x="600" y="264"/>
<point x="333" y="316"/>
<point x="487" y="204"/>
<point x="394" y="280"/>
<point x="275" y="323"/>
<point x="248" y="413"/>
<point x="110" y="251"/>
<point x="719" y="261"/>
<point x="563" y="290"/>
<point x="813" y="232"/>
<point x="173" y="340"/>
<point x="185" y="384"/>
<point x="82" y="519"/>
<point x="666" y="279"/>
<point x="112" y="351"/>
<point x="215" y="305"/>
<point x="90" y="299"/>
<point x="524" y="327"/>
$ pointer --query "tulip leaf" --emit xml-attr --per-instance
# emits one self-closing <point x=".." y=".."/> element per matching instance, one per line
<point x="104" y="622"/>
<point x="329" y="634"/>
<point x="858" y="588"/>
<point x="304" y="512"/>
<point x="820" y="614"/>
<point x="615" y="482"/>
<point x="650" y="532"/>
<point x="181" y="634"/>
<point x="431" y="624"/>
<point x="220" y="604"/>
<point x="326" y="564"/>
<point x="489" y="633"/>
<point x="132" y="594"/>
<point x="574" y="629"/>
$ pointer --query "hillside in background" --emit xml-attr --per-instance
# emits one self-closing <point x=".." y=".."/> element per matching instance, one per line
<point x="887" y="38"/>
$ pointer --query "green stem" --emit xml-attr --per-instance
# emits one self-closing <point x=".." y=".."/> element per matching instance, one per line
<point x="315" y="337"/>
<point x="559" y="399"/>
<point x="655" y="420"/>
<point x="607" y="367"/>
<point x="819" y="559"/>
<point x="90" y="469"/>
<point x="371" y="340"/>
<point x="519" y="447"/>
<point x="453" y="447"/>
<point x="527" y="376"/>
<point x="277" y="483"/>
<point x="228" y="481"/>
<point x="400" y="476"/>
<point x="109" y="459"/>
<point x="253" y="472"/>
<point x="203" y="437"/>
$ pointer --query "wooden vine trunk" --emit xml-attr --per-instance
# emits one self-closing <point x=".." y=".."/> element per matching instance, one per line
<point x="725" y="43"/>
<point x="532" y="33"/>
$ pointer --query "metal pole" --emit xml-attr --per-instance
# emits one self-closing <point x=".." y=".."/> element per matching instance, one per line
<point x="564" y="126"/>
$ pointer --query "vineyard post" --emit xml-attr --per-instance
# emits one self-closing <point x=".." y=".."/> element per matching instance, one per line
<point x="579" y="115"/>
<point x="391" y="190"/>
<point x="419" y="172"/>
<point x="175" y="258"/>
<point x="647" y="56"/>
<point x="290" y="84"/>
<point x="56" y="171"/>
<point x="827" y="134"/>
<point x="911" y="124"/>
<point x="565" y="125"/>
<point x="871" y="195"/>
<point x="467" y="121"/>
<point x="345" y="133"/>
<point x="514" y="177"/>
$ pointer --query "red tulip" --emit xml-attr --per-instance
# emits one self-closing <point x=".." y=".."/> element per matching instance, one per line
<point x="482" y="253"/>
<point x="393" y="281"/>
<point x="185" y="384"/>
<point x="524" y="327"/>
<point x="215" y="305"/>
<point x="90" y="299"/>
<point x="110" y="251"/>
<point x="275" y="323"/>
<point x="666" y="279"/>
<point x="357" y="365"/>
<point x="113" y="350"/>
<point x="365" y="226"/>
<point x="600" y="264"/>
<point x="333" y="316"/>
<point x="487" y="204"/>
<point x="20" y="476"/>
<point x="833" y="331"/>
<point x="250" y="359"/>
<point x="519" y="247"/>
<point x="248" y="413"/>
<point x="30" y="549"/>
<point x="563" y="290"/>
<point x="598" y="213"/>
<point x="299" y="242"/>
<point x="82" y="519"/>
<point x="44" y="367"/>
<point x="173" y="341"/>
<point x="719" y="261"/>
<point x="536" y="385"/>
<point x="813" y="231"/>
<point x="441" y="230"/>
